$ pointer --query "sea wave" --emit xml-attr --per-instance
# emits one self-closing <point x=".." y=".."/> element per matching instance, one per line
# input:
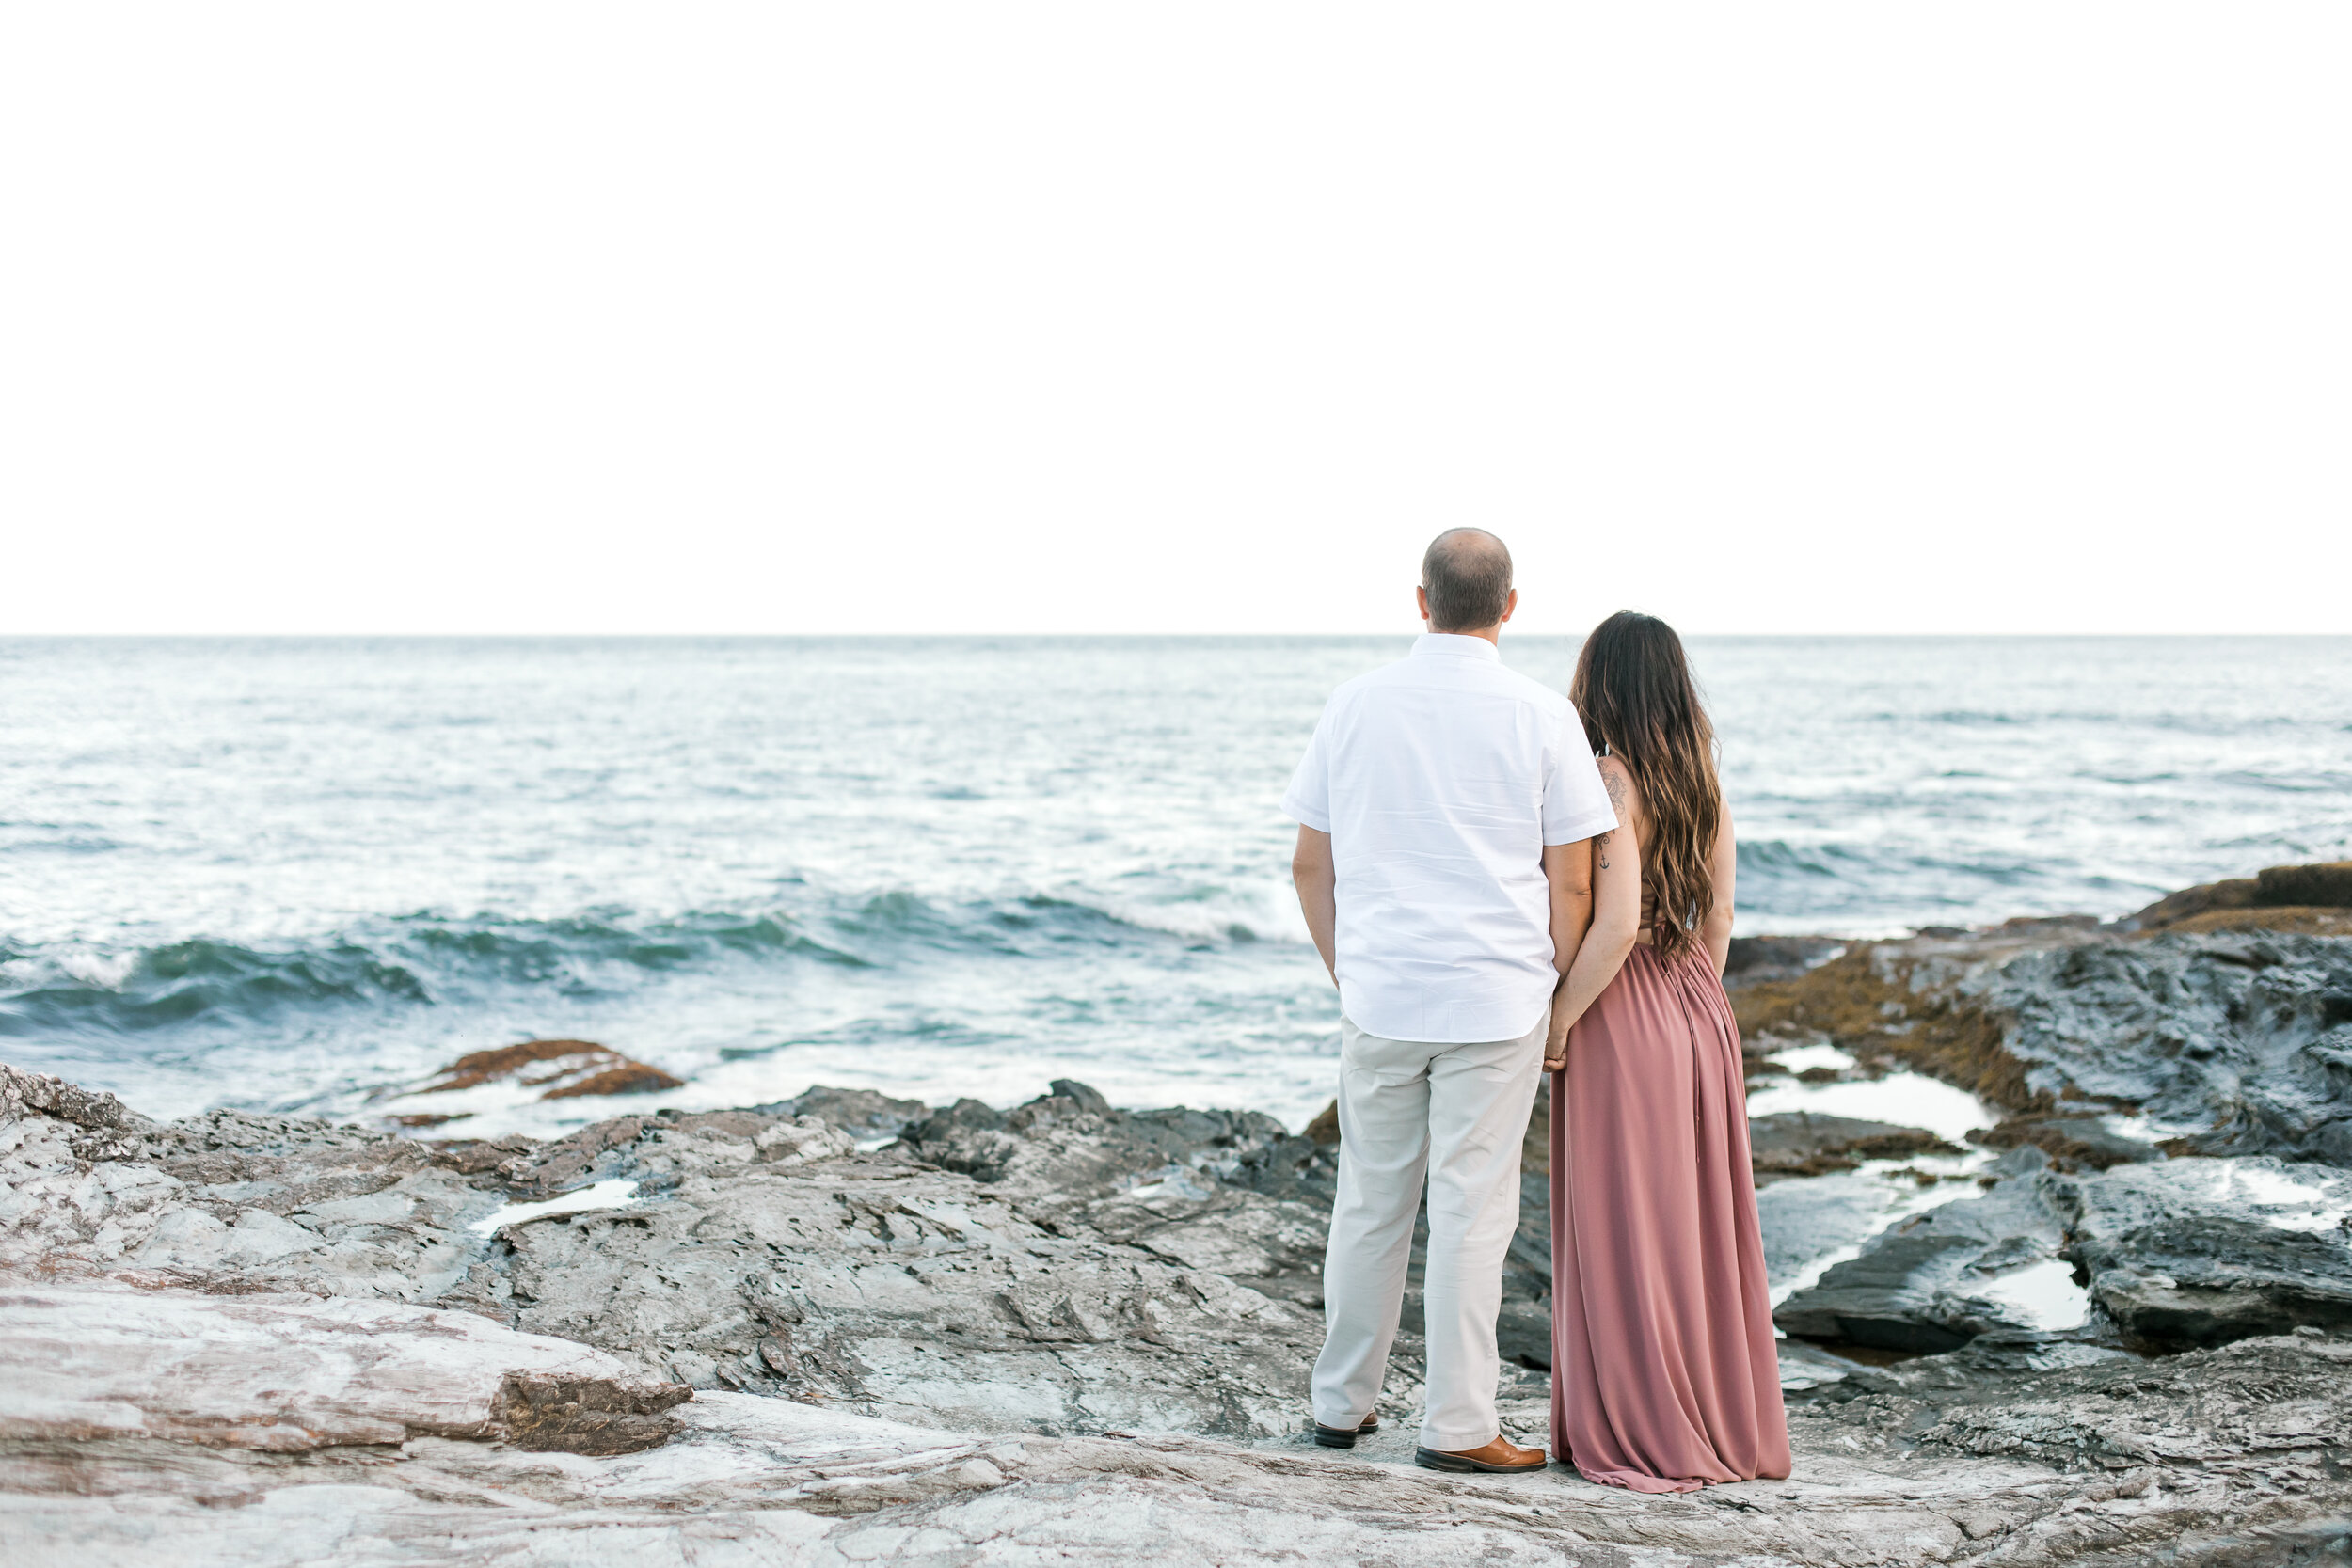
<point x="1777" y="857"/>
<point x="425" y="960"/>
<point x="81" y="992"/>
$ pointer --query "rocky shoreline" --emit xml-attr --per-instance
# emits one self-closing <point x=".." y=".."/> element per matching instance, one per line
<point x="2112" y="1326"/>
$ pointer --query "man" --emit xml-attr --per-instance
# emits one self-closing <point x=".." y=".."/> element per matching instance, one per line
<point x="1445" y="807"/>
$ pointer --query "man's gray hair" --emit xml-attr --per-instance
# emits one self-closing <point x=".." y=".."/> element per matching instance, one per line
<point x="1467" y="573"/>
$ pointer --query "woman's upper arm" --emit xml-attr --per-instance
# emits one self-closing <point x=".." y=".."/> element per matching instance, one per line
<point x="1625" y="800"/>
<point x="1617" y="854"/>
<point x="1724" y="865"/>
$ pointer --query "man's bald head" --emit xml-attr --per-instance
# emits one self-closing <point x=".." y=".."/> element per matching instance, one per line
<point x="1466" y="575"/>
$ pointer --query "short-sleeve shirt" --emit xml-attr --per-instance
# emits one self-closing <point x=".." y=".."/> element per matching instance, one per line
<point x="1440" y="779"/>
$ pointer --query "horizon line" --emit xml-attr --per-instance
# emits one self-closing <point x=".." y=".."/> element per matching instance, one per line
<point x="6" y="636"/>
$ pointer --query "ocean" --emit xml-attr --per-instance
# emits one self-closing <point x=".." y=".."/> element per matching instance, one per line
<point x="295" y="874"/>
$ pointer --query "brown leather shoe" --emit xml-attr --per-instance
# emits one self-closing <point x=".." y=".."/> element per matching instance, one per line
<point x="1502" y="1456"/>
<point x="1344" y="1437"/>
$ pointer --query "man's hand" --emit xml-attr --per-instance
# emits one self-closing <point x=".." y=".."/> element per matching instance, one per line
<point x="1318" y="879"/>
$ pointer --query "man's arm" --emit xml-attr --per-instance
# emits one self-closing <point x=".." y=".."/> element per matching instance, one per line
<point x="1318" y="882"/>
<point x="1569" y="867"/>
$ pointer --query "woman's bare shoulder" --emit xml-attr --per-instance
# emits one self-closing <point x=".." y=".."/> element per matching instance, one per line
<point x="1624" y="790"/>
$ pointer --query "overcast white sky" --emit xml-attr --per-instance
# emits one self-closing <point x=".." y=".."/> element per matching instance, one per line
<point x="1200" y="317"/>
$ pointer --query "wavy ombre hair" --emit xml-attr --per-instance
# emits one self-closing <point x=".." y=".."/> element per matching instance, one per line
<point x="1634" y="692"/>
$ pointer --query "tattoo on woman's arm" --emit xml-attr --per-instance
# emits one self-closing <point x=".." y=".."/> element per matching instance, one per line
<point x="1614" y="781"/>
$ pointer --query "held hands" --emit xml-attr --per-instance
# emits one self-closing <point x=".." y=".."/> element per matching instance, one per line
<point x="1555" y="1047"/>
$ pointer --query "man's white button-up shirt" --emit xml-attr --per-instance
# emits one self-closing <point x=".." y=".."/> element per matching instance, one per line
<point x="1440" y="779"/>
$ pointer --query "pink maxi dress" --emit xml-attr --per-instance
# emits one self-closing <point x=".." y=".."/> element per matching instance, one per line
<point x="1664" y="1377"/>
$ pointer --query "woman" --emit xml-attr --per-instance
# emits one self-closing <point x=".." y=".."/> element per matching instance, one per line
<point x="1664" y="1376"/>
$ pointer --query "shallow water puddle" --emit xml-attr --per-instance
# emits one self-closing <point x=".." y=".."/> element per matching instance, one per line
<point x="2321" y="1202"/>
<point x="615" y="1193"/>
<point x="1905" y="1099"/>
<point x="1805" y="1058"/>
<point x="1177" y="1182"/>
<point x="2044" y="1295"/>
<point x="2146" y="1129"/>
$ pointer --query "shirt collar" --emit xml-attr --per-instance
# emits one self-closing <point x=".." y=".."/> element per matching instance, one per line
<point x="1456" y="644"/>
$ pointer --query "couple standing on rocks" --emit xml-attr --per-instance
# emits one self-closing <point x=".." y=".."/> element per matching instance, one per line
<point x="1497" y="893"/>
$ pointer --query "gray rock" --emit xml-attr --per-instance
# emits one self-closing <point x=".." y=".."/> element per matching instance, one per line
<point x="760" y="1252"/>
<point x="106" y="1125"/>
<point x="1086" y="1097"/>
<point x="961" y="1362"/>
<point x="2071" y="1142"/>
<point x="288" y="1375"/>
<point x="2234" y="1458"/>
<point x="2235" y="1042"/>
<point x="2202" y="1252"/>
<point x="2246" y="1035"/>
<point x="1753" y="958"/>
<point x="867" y="1115"/>
<point x="2177" y="1254"/>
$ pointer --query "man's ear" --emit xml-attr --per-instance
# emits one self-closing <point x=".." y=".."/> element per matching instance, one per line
<point x="1510" y="604"/>
<point x="1421" y="597"/>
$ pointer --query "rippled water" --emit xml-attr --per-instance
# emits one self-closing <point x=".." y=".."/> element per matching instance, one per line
<point x="287" y="874"/>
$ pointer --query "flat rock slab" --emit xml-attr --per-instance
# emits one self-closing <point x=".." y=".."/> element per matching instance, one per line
<point x="752" y="1480"/>
<point x="287" y="1374"/>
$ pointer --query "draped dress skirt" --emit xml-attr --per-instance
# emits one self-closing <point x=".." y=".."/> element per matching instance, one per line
<point x="1665" y="1373"/>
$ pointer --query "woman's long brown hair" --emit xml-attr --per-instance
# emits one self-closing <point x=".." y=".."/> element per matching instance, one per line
<point x="1634" y="692"/>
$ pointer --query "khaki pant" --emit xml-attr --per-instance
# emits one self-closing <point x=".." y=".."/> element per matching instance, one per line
<point x="1456" y="1114"/>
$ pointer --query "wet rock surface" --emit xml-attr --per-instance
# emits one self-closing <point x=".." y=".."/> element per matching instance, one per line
<point x="2242" y="1042"/>
<point x="2202" y="1252"/>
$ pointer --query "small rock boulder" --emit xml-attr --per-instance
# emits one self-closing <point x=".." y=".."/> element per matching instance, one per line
<point x="2326" y="885"/>
<point x="2071" y="1142"/>
<point x="1802" y="1143"/>
<point x="864" y="1114"/>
